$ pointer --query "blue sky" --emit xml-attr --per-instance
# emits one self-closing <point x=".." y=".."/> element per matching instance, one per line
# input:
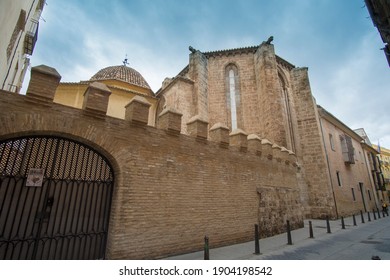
<point x="336" y="40"/>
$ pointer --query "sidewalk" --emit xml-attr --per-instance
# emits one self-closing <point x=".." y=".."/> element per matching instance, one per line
<point x="278" y="243"/>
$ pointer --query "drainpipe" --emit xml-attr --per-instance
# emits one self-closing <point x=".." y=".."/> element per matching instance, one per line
<point x="327" y="163"/>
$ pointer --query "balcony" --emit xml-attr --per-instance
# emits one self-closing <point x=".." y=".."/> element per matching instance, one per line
<point x="31" y="38"/>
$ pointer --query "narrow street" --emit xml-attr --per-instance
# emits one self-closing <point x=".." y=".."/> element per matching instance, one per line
<point x="360" y="242"/>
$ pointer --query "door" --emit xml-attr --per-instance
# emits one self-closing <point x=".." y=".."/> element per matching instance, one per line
<point x="55" y="199"/>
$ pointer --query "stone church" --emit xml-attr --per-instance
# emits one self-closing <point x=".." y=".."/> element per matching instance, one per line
<point x="105" y="168"/>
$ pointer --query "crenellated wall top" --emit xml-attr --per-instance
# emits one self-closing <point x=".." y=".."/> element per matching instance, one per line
<point x="170" y="121"/>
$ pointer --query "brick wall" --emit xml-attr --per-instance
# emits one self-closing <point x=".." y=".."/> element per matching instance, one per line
<point x="259" y="101"/>
<point x="274" y="102"/>
<point x="352" y="176"/>
<point x="248" y="117"/>
<point x="170" y="189"/>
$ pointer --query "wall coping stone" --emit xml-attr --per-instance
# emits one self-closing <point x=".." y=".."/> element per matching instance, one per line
<point x="218" y="125"/>
<point x="47" y="70"/>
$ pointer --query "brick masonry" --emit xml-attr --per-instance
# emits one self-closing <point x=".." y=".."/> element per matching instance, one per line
<point x="170" y="189"/>
<point x="274" y="102"/>
<point x="189" y="175"/>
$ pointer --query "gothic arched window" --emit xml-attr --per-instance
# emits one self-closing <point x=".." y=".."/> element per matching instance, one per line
<point x="233" y="95"/>
<point x="287" y="110"/>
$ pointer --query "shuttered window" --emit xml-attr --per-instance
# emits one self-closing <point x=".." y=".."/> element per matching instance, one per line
<point x="347" y="149"/>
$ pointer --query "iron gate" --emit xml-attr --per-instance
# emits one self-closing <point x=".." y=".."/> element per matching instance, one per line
<point x="55" y="199"/>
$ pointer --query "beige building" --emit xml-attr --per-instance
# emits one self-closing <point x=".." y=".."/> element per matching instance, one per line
<point x="384" y="164"/>
<point x="349" y="160"/>
<point x="19" y="21"/>
<point x="124" y="84"/>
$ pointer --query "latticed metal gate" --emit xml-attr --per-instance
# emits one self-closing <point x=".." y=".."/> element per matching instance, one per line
<point x="55" y="199"/>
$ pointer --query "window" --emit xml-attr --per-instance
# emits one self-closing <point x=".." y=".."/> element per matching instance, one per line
<point x="369" y="194"/>
<point x="338" y="178"/>
<point x="286" y="107"/>
<point x="353" y="194"/>
<point x="233" y="95"/>
<point x="233" y="106"/>
<point x="347" y="149"/>
<point x="331" y="141"/>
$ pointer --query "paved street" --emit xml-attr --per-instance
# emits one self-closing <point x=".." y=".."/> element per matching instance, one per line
<point x="360" y="242"/>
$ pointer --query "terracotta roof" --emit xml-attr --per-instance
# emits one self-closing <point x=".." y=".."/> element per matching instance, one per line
<point x="122" y="73"/>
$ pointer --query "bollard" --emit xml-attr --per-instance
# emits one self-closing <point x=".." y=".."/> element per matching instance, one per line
<point x="289" y="240"/>
<point x="354" y="219"/>
<point x="206" y="248"/>
<point x="257" y="237"/>
<point x="369" y="217"/>
<point x="342" y="223"/>
<point x="373" y="212"/>
<point x="328" y="225"/>
<point x="361" y="215"/>
<point x="311" y="235"/>
<point x="379" y="213"/>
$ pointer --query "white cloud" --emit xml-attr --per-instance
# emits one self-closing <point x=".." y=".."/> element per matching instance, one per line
<point x="348" y="73"/>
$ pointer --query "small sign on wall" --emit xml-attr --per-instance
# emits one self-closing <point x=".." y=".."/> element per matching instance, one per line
<point x="35" y="177"/>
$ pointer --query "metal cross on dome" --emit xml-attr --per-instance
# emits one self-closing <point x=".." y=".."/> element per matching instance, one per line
<point x="125" y="62"/>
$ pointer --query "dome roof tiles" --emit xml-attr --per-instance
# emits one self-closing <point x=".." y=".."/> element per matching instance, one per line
<point x="122" y="73"/>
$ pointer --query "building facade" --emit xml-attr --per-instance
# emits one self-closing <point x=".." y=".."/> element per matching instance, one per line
<point x="349" y="160"/>
<point x="19" y="21"/>
<point x="383" y="161"/>
<point x="124" y="83"/>
<point x="120" y="189"/>
<point x="235" y="139"/>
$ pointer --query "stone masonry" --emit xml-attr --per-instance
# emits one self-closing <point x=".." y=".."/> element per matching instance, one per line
<point x="170" y="189"/>
<point x="274" y="102"/>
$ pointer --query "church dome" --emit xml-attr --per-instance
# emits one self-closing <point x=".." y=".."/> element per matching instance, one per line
<point x="122" y="73"/>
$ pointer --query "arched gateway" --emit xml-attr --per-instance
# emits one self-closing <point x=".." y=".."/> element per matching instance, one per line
<point x="55" y="199"/>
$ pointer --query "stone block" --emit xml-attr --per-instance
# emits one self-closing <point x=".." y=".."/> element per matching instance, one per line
<point x="96" y="99"/>
<point x="137" y="110"/>
<point x="238" y="138"/>
<point x="267" y="148"/>
<point x="220" y="133"/>
<point x="43" y="83"/>
<point x="170" y="120"/>
<point x="292" y="158"/>
<point x="254" y="144"/>
<point x="198" y="128"/>
<point x="285" y="155"/>
<point x="277" y="152"/>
